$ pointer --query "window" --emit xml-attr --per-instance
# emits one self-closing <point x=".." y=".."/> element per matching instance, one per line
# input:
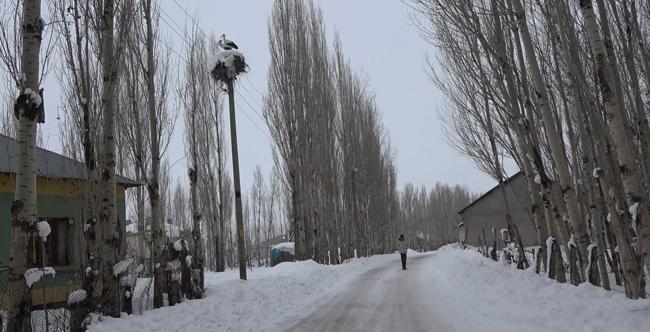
<point x="56" y="247"/>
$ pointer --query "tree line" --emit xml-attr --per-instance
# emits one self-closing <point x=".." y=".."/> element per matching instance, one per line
<point x="333" y="154"/>
<point x="332" y="190"/>
<point x="560" y="87"/>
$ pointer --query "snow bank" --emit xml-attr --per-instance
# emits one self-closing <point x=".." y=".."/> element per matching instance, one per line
<point x="265" y="302"/>
<point x="477" y="294"/>
<point x="462" y="289"/>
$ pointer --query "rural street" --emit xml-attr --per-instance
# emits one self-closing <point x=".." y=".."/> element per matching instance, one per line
<point x="383" y="299"/>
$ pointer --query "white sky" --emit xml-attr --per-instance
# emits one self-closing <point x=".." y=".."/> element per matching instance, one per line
<point x="380" y="42"/>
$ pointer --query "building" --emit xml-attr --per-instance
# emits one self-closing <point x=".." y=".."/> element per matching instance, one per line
<point x="60" y="185"/>
<point x="487" y="211"/>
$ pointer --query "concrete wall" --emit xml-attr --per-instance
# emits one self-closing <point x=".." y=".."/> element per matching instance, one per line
<point x="488" y="212"/>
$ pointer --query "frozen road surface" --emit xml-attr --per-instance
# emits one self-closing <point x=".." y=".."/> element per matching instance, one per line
<point x="385" y="298"/>
<point x="447" y="290"/>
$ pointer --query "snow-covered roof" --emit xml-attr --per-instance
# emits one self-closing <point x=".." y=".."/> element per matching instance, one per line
<point x="49" y="164"/>
<point x="285" y="247"/>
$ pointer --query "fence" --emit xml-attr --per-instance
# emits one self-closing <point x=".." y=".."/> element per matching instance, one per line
<point x="50" y="308"/>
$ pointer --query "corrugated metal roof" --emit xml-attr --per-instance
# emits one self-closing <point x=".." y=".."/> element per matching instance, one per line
<point x="48" y="164"/>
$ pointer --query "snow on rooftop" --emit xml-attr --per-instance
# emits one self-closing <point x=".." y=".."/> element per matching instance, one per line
<point x="285" y="247"/>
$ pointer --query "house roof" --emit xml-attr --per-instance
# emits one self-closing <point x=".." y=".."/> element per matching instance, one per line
<point x="48" y="164"/>
<point x="489" y="192"/>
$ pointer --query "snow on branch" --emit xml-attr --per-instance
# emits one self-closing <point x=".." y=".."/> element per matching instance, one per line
<point x="43" y="229"/>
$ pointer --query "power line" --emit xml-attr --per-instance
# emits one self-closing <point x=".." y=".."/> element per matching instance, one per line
<point x="178" y="160"/>
<point x="251" y="95"/>
<point x="253" y="122"/>
<point x="171" y="27"/>
<point x="250" y="106"/>
<point x="197" y="26"/>
<point x="254" y="87"/>
<point x="240" y="95"/>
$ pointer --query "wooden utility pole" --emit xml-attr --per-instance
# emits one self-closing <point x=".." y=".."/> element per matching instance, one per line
<point x="241" y="250"/>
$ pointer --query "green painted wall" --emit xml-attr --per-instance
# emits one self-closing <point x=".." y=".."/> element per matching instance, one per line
<point x="52" y="206"/>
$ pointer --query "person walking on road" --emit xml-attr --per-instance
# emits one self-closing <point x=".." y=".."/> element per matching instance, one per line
<point x="402" y="250"/>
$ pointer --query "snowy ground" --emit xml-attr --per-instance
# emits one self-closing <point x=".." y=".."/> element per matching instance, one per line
<point x="447" y="290"/>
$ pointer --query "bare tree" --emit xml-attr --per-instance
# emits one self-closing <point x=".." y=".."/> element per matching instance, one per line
<point x="29" y="111"/>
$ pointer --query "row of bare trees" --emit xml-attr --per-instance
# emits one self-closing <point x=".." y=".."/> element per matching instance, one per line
<point x="333" y="155"/>
<point x="115" y="74"/>
<point x="562" y="88"/>
<point x="429" y="218"/>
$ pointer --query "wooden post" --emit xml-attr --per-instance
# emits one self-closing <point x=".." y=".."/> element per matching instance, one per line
<point x="241" y="250"/>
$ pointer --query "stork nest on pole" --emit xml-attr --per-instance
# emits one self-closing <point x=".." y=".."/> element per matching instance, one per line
<point x="228" y="66"/>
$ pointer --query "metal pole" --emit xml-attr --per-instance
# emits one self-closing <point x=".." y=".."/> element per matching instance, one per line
<point x="241" y="250"/>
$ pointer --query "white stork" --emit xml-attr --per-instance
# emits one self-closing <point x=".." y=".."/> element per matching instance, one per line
<point x="226" y="44"/>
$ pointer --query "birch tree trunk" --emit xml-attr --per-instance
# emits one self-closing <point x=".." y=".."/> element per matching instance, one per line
<point x="108" y="215"/>
<point x="616" y="123"/>
<point x="23" y="209"/>
<point x="554" y="138"/>
<point x="153" y="186"/>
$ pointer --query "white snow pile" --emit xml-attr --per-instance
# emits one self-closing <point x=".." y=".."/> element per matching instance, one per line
<point x="285" y="247"/>
<point x="472" y="293"/>
<point x="77" y="296"/>
<point x="459" y="290"/>
<point x="269" y="299"/>
<point x="34" y="275"/>
<point x="43" y="229"/>
<point x="121" y="266"/>
<point x="538" y="178"/>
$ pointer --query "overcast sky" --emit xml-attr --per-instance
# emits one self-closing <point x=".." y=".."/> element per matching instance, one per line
<point x="380" y="42"/>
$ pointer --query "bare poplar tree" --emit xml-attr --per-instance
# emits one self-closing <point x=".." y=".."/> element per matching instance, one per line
<point x="29" y="110"/>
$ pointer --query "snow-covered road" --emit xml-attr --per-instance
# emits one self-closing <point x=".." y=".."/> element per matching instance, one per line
<point x="385" y="298"/>
<point x="446" y="290"/>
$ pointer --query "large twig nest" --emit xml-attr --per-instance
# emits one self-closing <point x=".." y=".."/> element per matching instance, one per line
<point x="228" y="65"/>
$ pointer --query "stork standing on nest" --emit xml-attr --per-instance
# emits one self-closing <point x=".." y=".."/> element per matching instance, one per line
<point x="226" y="44"/>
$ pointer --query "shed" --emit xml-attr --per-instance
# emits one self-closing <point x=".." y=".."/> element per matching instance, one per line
<point x="60" y="187"/>
<point x="282" y="252"/>
<point x="487" y="212"/>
